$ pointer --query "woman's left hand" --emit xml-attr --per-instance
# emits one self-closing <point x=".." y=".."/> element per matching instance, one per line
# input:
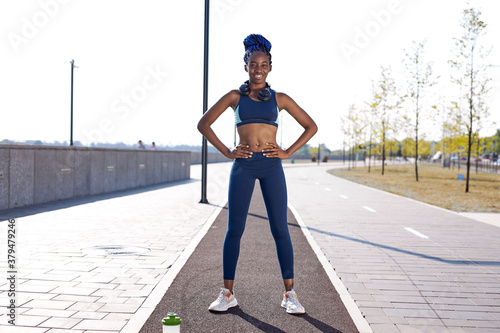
<point x="275" y="151"/>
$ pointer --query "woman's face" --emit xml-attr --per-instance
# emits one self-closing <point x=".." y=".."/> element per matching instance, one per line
<point x="258" y="67"/>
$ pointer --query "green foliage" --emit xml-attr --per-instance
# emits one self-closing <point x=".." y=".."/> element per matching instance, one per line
<point x="304" y="150"/>
<point x="497" y="142"/>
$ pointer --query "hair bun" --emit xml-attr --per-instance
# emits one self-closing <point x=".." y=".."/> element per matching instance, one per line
<point x="256" y="42"/>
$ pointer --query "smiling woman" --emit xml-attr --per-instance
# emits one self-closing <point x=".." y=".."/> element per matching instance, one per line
<point x="257" y="156"/>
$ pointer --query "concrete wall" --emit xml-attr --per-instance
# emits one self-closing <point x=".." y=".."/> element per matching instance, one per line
<point x="212" y="158"/>
<point x="37" y="174"/>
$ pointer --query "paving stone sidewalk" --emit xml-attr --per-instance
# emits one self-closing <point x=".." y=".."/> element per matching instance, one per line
<point x="410" y="267"/>
<point x="63" y="286"/>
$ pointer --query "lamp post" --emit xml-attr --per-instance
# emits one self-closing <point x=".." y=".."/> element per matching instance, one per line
<point x="205" y="106"/>
<point x="71" y="118"/>
<point x="319" y="147"/>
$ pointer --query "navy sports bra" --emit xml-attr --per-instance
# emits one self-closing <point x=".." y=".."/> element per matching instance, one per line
<point x="249" y="111"/>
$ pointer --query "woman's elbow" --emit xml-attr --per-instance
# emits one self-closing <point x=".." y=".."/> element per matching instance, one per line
<point x="313" y="128"/>
<point x="201" y="126"/>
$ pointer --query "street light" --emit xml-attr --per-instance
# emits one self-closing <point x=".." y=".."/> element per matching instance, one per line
<point x="205" y="107"/>
<point x="72" y="62"/>
<point x="319" y="146"/>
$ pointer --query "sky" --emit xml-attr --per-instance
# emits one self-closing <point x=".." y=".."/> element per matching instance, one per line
<point x="139" y="73"/>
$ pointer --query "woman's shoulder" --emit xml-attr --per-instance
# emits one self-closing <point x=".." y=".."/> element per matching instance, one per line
<point x="233" y="98"/>
<point x="232" y="95"/>
<point x="282" y="98"/>
<point x="280" y="94"/>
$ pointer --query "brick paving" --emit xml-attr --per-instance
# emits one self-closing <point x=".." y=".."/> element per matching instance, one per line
<point x="64" y="287"/>
<point x="401" y="282"/>
<point x="410" y="267"/>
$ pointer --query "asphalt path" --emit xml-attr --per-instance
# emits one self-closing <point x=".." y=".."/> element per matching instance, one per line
<point x="258" y="285"/>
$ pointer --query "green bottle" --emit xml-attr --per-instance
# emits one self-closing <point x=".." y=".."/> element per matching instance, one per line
<point x="172" y="324"/>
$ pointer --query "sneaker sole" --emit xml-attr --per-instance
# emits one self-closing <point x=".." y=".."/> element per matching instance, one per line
<point x="295" y="313"/>
<point x="231" y="304"/>
<point x="290" y="312"/>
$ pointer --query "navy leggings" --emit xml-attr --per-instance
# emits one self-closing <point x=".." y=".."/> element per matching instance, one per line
<point x="269" y="172"/>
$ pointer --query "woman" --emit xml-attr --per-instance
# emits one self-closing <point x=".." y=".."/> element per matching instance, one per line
<point x="257" y="156"/>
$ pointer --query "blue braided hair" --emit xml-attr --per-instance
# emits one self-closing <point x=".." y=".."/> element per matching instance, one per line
<point x="255" y="42"/>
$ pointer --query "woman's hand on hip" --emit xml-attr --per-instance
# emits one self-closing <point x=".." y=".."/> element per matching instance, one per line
<point x="240" y="151"/>
<point x="275" y="151"/>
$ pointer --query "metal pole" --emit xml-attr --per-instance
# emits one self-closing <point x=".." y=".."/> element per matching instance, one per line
<point x="319" y="152"/>
<point x="205" y="107"/>
<point x="71" y="124"/>
<point x="319" y="147"/>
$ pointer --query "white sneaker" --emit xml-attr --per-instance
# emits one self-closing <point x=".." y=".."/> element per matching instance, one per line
<point x="225" y="301"/>
<point x="291" y="303"/>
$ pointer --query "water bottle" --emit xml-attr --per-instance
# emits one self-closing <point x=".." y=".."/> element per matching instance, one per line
<point x="172" y="324"/>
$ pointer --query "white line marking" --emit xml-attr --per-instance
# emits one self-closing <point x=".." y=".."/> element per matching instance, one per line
<point x="369" y="209"/>
<point x="344" y="196"/>
<point x="352" y="308"/>
<point x="415" y="232"/>
<point x="327" y="189"/>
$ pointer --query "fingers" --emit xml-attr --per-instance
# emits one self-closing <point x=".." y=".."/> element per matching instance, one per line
<point x="272" y="151"/>
<point x="271" y="145"/>
<point x="271" y="154"/>
<point x="244" y="154"/>
<point x="241" y="151"/>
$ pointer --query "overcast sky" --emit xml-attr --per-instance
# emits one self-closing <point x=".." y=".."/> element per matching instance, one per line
<point x="140" y="63"/>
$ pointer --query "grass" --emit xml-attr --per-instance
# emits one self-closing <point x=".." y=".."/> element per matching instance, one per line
<point x="437" y="186"/>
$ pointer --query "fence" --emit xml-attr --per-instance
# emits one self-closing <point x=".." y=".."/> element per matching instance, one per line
<point x="486" y="166"/>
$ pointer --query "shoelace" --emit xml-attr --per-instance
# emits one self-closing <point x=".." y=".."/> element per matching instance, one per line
<point x="293" y="299"/>
<point x="222" y="297"/>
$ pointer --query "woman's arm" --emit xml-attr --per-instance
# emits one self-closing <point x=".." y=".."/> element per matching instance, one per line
<point x="204" y="125"/>
<point x="310" y="128"/>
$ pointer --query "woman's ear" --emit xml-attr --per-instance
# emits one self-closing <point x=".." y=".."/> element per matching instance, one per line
<point x="270" y="67"/>
<point x="246" y="68"/>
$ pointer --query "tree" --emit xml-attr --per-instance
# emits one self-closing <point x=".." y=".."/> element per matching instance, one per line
<point x="495" y="147"/>
<point x="419" y="72"/>
<point x="371" y="116"/>
<point x="352" y="128"/>
<point x="473" y="77"/>
<point x="347" y="129"/>
<point x="386" y="102"/>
